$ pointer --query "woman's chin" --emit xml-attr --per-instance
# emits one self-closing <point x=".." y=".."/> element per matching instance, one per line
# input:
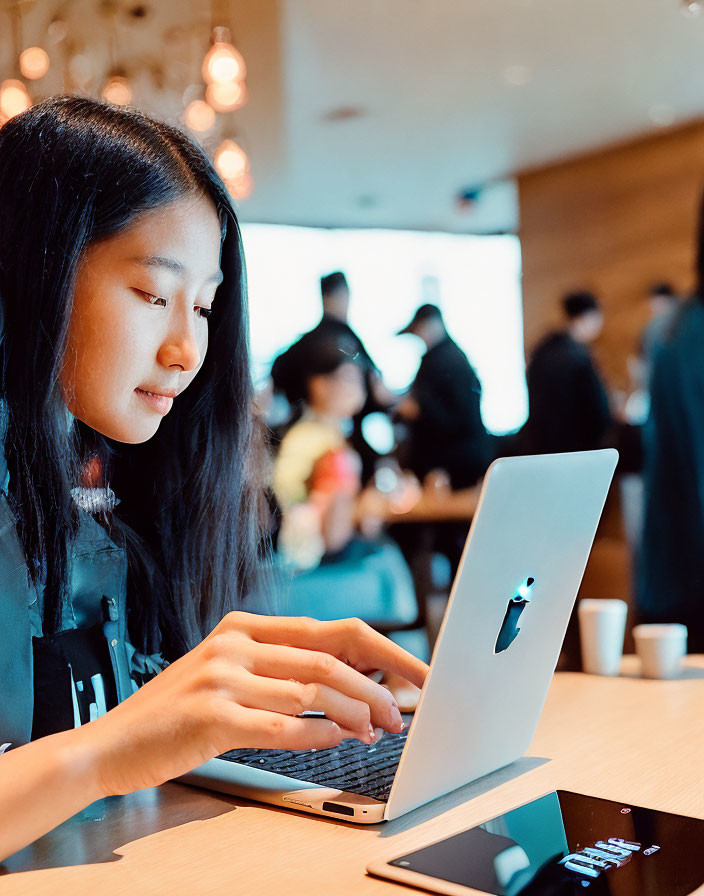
<point x="131" y="432"/>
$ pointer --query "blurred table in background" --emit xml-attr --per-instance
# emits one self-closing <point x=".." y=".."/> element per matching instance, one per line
<point x="439" y="506"/>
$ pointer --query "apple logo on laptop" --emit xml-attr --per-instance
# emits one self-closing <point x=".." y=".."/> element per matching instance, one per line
<point x="509" y="627"/>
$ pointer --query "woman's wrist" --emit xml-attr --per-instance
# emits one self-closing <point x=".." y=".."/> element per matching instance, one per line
<point x="78" y="755"/>
<point x="45" y="782"/>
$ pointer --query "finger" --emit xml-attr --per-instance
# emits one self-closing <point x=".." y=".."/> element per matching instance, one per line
<point x="367" y="649"/>
<point x="260" y="729"/>
<point x="350" y="714"/>
<point x="351" y="639"/>
<point x="294" y="698"/>
<point x="311" y="667"/>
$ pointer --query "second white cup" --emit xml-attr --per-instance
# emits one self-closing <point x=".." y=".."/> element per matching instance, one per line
<point x="602" y="626"/>
<point x="661" y="648"/>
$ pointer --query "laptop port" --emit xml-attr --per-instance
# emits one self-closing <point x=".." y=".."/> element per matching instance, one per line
<point x="339" y="808"/>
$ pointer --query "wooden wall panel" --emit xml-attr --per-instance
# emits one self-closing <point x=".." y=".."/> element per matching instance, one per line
<point x="614" y="222"/>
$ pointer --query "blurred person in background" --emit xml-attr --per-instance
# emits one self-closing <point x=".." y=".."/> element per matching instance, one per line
<point x="327" y="516"/>
<point x="663" y="302"/>
<point x="316" y="474"/>
<point x="633" y="407"/>
<point x="447" y="446"/>
<point x="442" y="409"/>
<point x="670" y="575"/>
<point x="331" y="529"/>
<point x="335" y="295"/>
<point x="568" y="404"/>
<point x="333" y="325"/>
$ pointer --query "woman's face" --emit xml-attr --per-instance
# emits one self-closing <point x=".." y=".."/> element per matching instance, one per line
<point x="138" y="332"/>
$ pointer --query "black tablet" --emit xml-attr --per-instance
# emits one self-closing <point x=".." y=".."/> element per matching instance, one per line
<point x="562" y="844"/>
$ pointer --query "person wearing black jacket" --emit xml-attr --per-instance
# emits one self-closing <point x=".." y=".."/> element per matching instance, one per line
<point x="442" y="410"/>
<point x="288" y="370"/>
<point x="568" y="404"/>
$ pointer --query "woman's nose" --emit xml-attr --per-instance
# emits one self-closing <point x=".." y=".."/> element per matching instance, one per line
<point x="182" y="346"/>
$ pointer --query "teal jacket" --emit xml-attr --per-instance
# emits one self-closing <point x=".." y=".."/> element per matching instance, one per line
<point x="97" y="593"/>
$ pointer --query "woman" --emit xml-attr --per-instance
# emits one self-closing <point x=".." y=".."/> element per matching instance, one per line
<point x="122" y="283"/>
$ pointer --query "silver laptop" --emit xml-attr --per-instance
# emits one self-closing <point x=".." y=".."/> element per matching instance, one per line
<point x="493" y="660"/>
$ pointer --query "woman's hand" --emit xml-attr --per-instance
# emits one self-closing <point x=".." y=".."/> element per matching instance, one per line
<point x="244" y="686"/>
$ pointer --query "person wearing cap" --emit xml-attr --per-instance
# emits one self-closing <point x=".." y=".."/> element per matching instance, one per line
<point x="568" y="404"/>
<point x="442" y="409"/>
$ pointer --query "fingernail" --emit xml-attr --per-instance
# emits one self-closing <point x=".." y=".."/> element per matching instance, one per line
<point x="371" y="733"/>
<point x="378" y="734"/>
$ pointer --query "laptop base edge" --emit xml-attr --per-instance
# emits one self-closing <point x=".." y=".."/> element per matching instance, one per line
<point x="277" y="790"/>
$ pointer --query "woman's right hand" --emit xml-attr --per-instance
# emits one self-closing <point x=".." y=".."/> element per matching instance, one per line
<point x="245" y="686"/>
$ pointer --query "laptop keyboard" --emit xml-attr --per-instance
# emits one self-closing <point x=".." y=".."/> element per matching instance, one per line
<point x="352" y="766"/>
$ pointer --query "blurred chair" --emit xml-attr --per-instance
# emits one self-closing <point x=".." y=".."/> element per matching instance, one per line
<point x="370" y="581"/>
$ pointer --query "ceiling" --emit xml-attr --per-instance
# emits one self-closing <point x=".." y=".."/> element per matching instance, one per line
<point x="379" y="112"/>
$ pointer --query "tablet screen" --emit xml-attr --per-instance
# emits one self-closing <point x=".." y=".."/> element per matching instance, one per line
<point x="566" y="843"/>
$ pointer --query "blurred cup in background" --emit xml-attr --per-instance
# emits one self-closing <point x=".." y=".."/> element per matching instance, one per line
<point x="602" y="626"/>
<point x="661" y="648"/>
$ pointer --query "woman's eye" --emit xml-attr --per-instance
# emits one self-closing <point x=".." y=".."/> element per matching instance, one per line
<point x="204" y="312"/>
<point x="154" y="300"/>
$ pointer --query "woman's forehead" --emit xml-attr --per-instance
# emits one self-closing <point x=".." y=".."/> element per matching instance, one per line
<point x="181" y="239"/>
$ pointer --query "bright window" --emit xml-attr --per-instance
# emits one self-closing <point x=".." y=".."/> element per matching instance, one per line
<point x="476" y="281"/>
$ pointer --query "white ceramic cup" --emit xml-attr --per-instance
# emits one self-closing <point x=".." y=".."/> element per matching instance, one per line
<point x="661" y="648"/>
<point x="602" y="625"/>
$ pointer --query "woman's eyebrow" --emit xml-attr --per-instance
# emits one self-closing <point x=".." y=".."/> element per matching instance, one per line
<point x="172" y="265"/>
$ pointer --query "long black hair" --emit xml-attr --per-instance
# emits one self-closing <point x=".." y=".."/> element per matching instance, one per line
<point x="74" y="171"/>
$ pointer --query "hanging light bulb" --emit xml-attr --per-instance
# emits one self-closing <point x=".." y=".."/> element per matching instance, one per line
<point x="34" y="62"/>
<point x="57" y="30"/>
<point x="14" y="98"/>
<point x="226" y="97"/>
<point x="240" y="187"/>
<point x="231" y="160"/>
<point x="222" y="62"/>
<point x="80" y="69"/>
<point x="692" y="7"/>
<point x="117" y="91"/>
<point x="199" y="116"/>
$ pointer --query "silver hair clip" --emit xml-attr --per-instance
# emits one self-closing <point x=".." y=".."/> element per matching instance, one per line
<point x="94" y="500"/>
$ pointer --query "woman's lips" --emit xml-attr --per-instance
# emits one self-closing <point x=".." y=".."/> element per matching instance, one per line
<point x="156" y="400"/>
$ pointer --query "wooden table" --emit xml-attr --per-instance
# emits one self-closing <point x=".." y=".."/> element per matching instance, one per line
<point x="625" y="739"/>
<point x="440" y="506"/>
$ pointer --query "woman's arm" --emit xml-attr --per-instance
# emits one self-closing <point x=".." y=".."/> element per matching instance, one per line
<point x="245" y="685"/>
<point x="43" y="784"/>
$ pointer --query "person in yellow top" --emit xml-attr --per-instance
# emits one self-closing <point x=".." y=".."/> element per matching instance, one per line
<point x="316" y="475"/>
